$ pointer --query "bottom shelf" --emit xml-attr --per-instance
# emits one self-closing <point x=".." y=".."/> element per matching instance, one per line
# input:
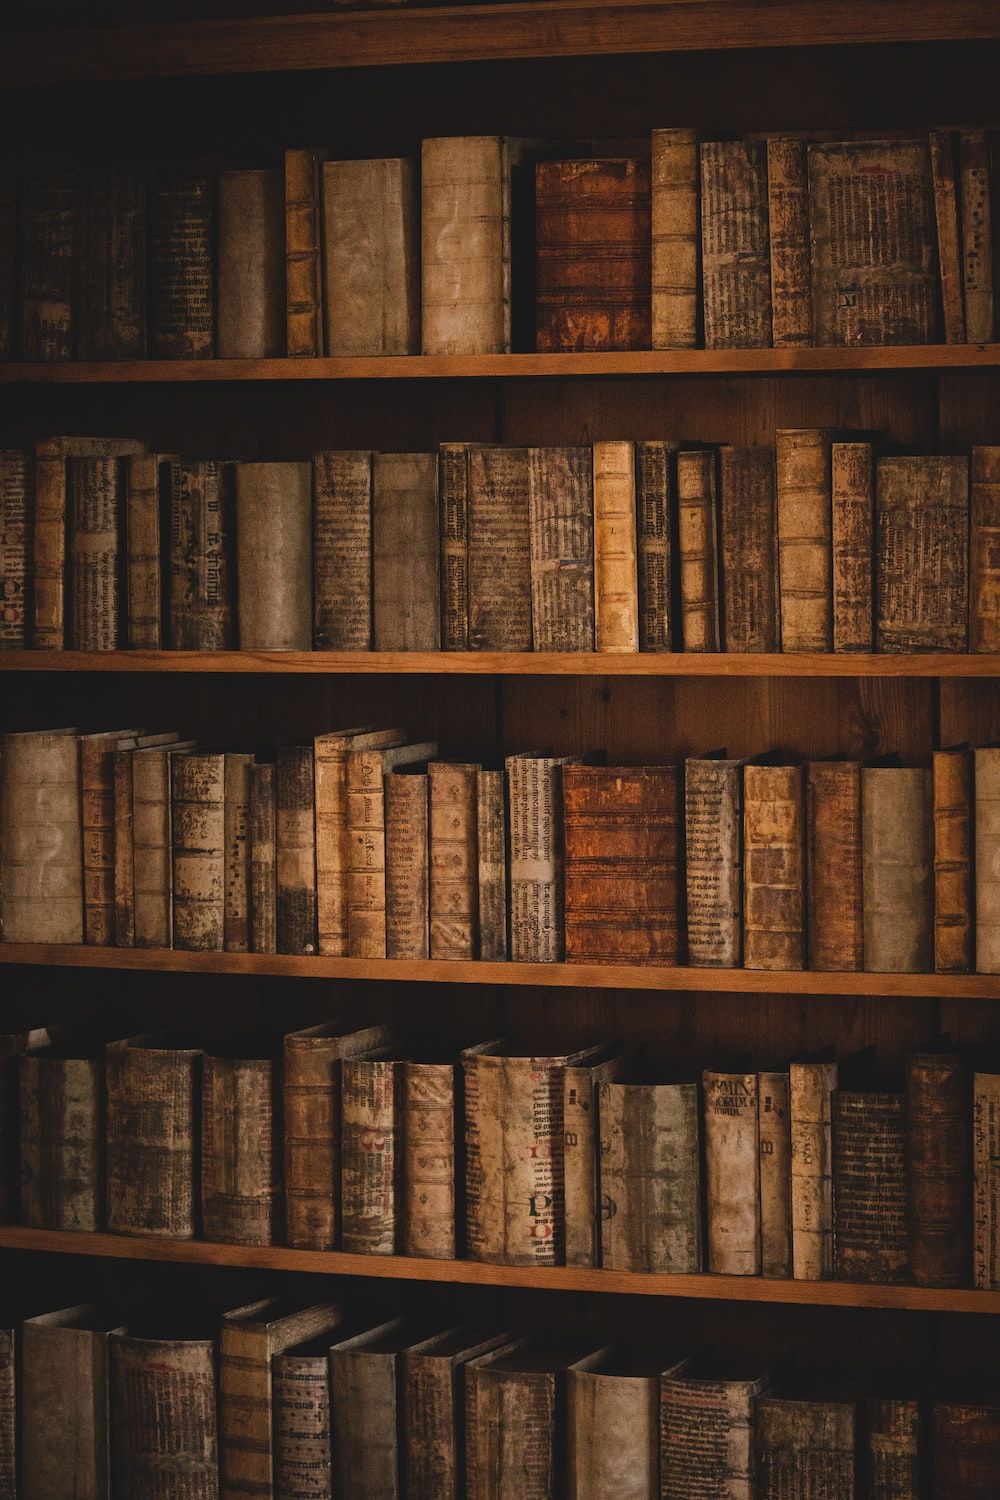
<point x="475" y="1273"/>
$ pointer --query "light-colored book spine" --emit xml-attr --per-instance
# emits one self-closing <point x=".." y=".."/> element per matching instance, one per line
<point x="274" y="556"/>
<point x="370" y="258"/>
<point x="698" y="547"/>
<point x="41" y="862"/>
<point x="650" y="1177"/>
<point x="675" y="239"/>
<point x="465" y="250"/>
<point x="898" y="843"/>
<point x="429" y="1160"/>
<point x="251" y="265"/>
<point x="988" y="861"/>
<point x="372" y="1136"/>
<point x="788" y="225"/>
<point x="804" y="538"/>
<point x="454" y="893"/>
<point x="732" y="1181"/>
<point x="537" y="895"/>
<point x="810" y="1087"/>
<point x="616" y="584"/>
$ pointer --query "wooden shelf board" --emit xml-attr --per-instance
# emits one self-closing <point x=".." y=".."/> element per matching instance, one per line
<point x="508" y="664"/>
<point x="475" y="1273"/>
<point x="552" y="976"/>
<point x="914" y="357"/>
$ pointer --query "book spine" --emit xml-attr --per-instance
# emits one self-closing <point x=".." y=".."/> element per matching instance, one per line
<point x="810" y="1088"/>
<point x="366" y="855"/>
<point x="311" y="1095"/>
<point x="465" y="202"/>
<point x="342" y="551"/>
<point x="370" y="275"/>
<point x="697" y="545"/>
<point x="161" y="1386"/>
<point x="407" y="552"/>
<point x="112" y="273"/>
<point x="834" y="878"/>
<point x="295" y="844"/>
<point x="372" y="1123"/>
<point x="94" y="510"/>
<point x="610" y="1426"/>
<point x="241" y="1186"/>
<point x="64" y="1409"/>
<point x="201" y="548"/>
<point x="616" y="583"/>
<point x="97" y="823"/>
<point x="50" y="228"/>
<point x="938" y="1155"/>
<point x="199" y="850"/>
<point x="561" y="508"/>
<point x="15" y="548"/>
<point x="775" y="1146"/>
<point x="62" y="1143"/>
<point x="797" y="1440"/>
<point x="654" y="485"/>
<point x="431" y="1427"/>
<point x="650" y="1177"/>
<point x="985" y="1184"/>
<point x="954" y="939"/>
<point x="332" y="844"/>
<point x="485" y="1165"/>
<point x="774" y="931"/>
<point x="499" y="550"/>
<point x="181" y="278"/>
<point x="429" y="1160"/>
<point x="707" y="1438"/>
<point x="984" y="559"/>
<point x="537" y="901"/>
<point x="748" y="544"/>
<point x="713" y="825"/>
<point x="511" y="1435"/>
<point x="977" y="237"/>
<point x="948" y="241"/>
<point x="736" y="272"/>
<point x="47" y="528"/>
<point x="454" y="896"/>
<point x="274" y="556"/>
<point x="303" y="260"/>
<point x="898" y="837"/>
<point x="453" y="468"/>
<point x="263" y="861"/>
<point x="987" y="790"/>
<point x="151" y="849"/>
<point x="922" y="543"/>
<point x="365" y="1423"/>
<point x="895" y="1449"/>
<point x="870" y="1240"/>
<point x="41" y="875"/>
<point x="732" y="1186"/>
<point x="491" y="835"/>
<point x="151" y="1111"/>
<point x="852" y="490"/>
<point x="303" y="1467"/>
<point x="8" y="1413"/>
<point x="531" y="1184"/>
<point x="237" y="836"/>
<point x="788" y="222"/>
<point x="407" y="932"/>
<point x="804" y="539"/>
<point x="251" y="269"/>
<point x="144" y="588"/>
<point x="581" y="1136"/>
<point x="675" y="239"/>
<point x="123" y="924"/>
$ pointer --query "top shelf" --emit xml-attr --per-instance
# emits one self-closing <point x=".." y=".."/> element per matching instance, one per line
<point x="466" y="33"/>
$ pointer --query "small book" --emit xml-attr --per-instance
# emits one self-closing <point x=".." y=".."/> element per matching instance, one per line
<point x="300" y="1402"/>
<point x="125" y="887"/>
<point x="954" y="931"/>
<point x="17" y="504"/>
<point x="95" y="494"/>
<point x="852" y="499"/>
<point x="835" y="864"/>
<point x="370" y="257"/>
<point x="491" y="840"/>
<point x="14" y="1046"/>
<point x="239" y="882"/>
<point x="946" y="217"/>
<point x="612" y="1421"/>
<point x="656" y="493"/>
<point x="616" y="580"/>
<point x="51" y="209"/>
<point x="985" y="1179"/>
<point x="698" y="548"/>
<point x="896" y="1426"/>
<point x="454" y="483"/>
<point x="788" y="226"/>
<point x="148" y="479"/>
<point x="965" y="1442"/>
<point x="251" y="265"/>
<point x="97" y="818"/>
<point x="371" y="1191"/>
<point x="977" y="235"/>
<point x="804" y="509"/>
<point x="263" y="860"/>
<point x="454" y="861"/>
<point x="984" y="550"/>
<point x="537" y="901"/>
<point x="365" y="1402"/>
<point x="407" y="862"/>
<point x="367" y="768"/>
<point x="582" y="1136"/>
<point x="774" y="1143"/>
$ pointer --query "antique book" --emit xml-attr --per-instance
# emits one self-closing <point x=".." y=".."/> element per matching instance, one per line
<point x="406" y="552"/>
<point x="94" y="492"/>
<point x="274" y="556"/>
<point x="938" y="1163"/>
<point x="41" y="861"/>
<point x="984" y="550"/>
<point x="713" y="829"/>
<point x="499" y="550"/>
<point x="303" y="256"/>
<point x="13" y="1047"/>
<point x="732" y="1178"/>
<point x="698" y="549"/>
<point x="432" y="1426"/>
<point x="581" y="1143"/>
<point x="202" y="585"/>
<point x="98" y="830"/>
<point x="649" y="1175"/>
<point x="164" y="1411"/>
<point x="977" y="235"/>
<point x="407" y="863"/>
<point x="263" y="860"/>
<point x="367" y="768"/>
<point x="949" y="252"/>
<point x="429" y="1175"/>
<point x="61" y="1132"/>
<point x="181" y="270"/>
<point x="612" y="1426"/>
<point x="124" y="833"/>
<point x="952" y="792"/>
<point x="987" y="846"/>
<point x="804" y="538"/>
<point x="342" y="551"/>
<point x="9" y="1342"/>
<point x="616" y="582"/>
<point x="561" y="511"/>
<point x="251" y="265"/>
<point x="371" y="277"/>
<point x="50" y="212"/>
<point x="834" y="872"/>
<point x="454" y="861"/>
<point x="788" y="224"/>
<point x="153" y="1089"/>
<point x="295" y="848"/>
<point x="453" y="512"/>
<point x="491" y="855"/>
<point x="332" y="833"/>
<point x="623" y="855"/>
<point x="872" y="230"/>
<point x="300" y="1404"/>
<point x="986" y="1180"/>
<point x="674" y="203"/>
<point x="65" y="1416"/>
<point x="242" y="1201"/>
<point x="311" y="1099"/>
<point x="748" y="549"/>
<point x="870" y="1240"/>
<point x="774" y="926"/>
<point x="898" y="842"/>
<point x="812" y="1081"/>
<point x="198" y="814"/>
<point x="895" y="1456"/>
<point x="515" y="1420"/>
<point x="592" y="255"/>
<point x="249" y="1338"/>
<point x="965" y="1440"/>
<point x="735" y="254"/>
<point x="111" y="313"/>
<point x="708" y="1411"/>
<point x="806" y="1437"/>
<point x="16" y="512"/>
<point x="365" y="1411"/>
<point x="371" y="1191"/>
<point x="537" y="901"/>
<point x="236" y="918"/>
<point x="148" y="479"/>
<point x="922" y="541"/>
<point x="465" y="244"/>
<point x="774" y="1144"/>
<point x="852" y="504"/>
<point x="656" y="488"/>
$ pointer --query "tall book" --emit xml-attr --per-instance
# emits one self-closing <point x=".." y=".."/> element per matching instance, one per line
<point x="946" y="219"/>
<point x="242" y="1198"/>
<point x="300" y="1402"/>
<point x="365" y="1410"/>
<point x="13" y="1047"/>
<point x="954" y="934"/>
<point x="251" y="265"/>
<point x="674" y="208"/>
<point x="61" y="1129"/>
<point x="407" y="863"/>
<point x="111" y="314"/>
<point x="181" y="269"/>
<point x="774" y="918"/>
<point x="774" y="1143"/>
<point x="870" y="1241"/>
<point x="237" y="815"/>
<point x="51" y="207"/>
<point x="736" y="271"/>
<point x="896" y="1457"/>
<point x="515" y="1416"/>
<point x="124" y="835"/>
<point x="263" y="860"/>
<point x="984" y="551"/>
<point x="65" y="1405"/>
<point x="295" y="846"/>
<point x="656" y="489"/>
<point x="333" y="855"/>
<point x="985" y="1180"/>
<point x="303" y="255"/>
<point x="97" y="821"/>
<point x="965" y="1440"/>
<point x="453" y="512"/>
<point x="16" y="510"/>
<point x="748" y="549"/>
<point x="788" y="224"/>
<point x="732" y="1178"/>
<point x="713" y="829"/>
<point x="987" y="846"/>
<point x="898" y="842"/>
<point x="9" y="1339"/>
<point x="592" y="255"/>
<point x="939" y="1166"/>
<point x="370" y="257"/>
<point x="173" y="1377"/>
<point x="804" y="538"/>
<point x="8" y="264"/>
<point x="94" y="491"/>
<point x="491" y="840"/>
<point x="612" y="1423"/>
<point x="835" y="865"/>
<point x="499" y="550"/>
<point x="804" y="1433"/>
<point x="852" y="499"/>
<point x="537" y="901"/>
<point x="561" y="512"/>
<point x="708" y="1420"/>
<point x="367" y="768"/>
<point x="201" y="557"/>
<point x="148" y="479"/>
<point x="274" y="556"/>
<point x="581" y="1143"/>
<point x="371" y="1187"/>
<point x="342" y="551"/>
<point x="433" y="1410"/>
<point x="429" y="1176"/>
<point x="977" y="235"/>
<point x="454" y="883"/>
<point x="922" y="542"/>
<point x="616" y="582"/>
<point x="406" y="552"/>
<point x="41" y="862"/>
<point x="812" y="1081"/>
<point x="153" y="1087"/>
<point x="198" y="812"/>
<point x="698" y="549"/>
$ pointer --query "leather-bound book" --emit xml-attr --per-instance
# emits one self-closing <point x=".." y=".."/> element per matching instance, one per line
<point x="650" y="1175"/>
<point x="713" y="826"/>
<point x="835" y="865"/>
<point x="698" y="549"/>
<point x="898" y="842"/>
<point x="515" y="1419"/>
<point x="454" y="863"/>
<point x="51" y="208"/>
<point x="954" y="935"/>
<point x="342" y="551"/>
<point x="371" y="276"/>
<point x="939" y="1166"/>
<point x="735" y="254"/>
<point x="707" y="1429"/>
<point x="98" y="756"/>
<point x="674" y="202"/>
<point x="41" y="862"/>
<point x="9" y="1444"/>
<point x="13" y="1047"/>
<point x="949" y="252"/>
<point x="153" y="1088"/>
<point x="985" y="1183"/>
<point x="922" y="541"/>
<point x="407" y="863"/>
<point x="581" y="1143"/>
<point x="656" y="490"/>
<point x="164" y="1410"/>
<point x="367" y="767"/>
<point x="499" y="550"/>
<point x="366" y="1376"/>
<point x="984" y="550"/>
<point x="333" y="855"/>
<point x="873" y="271"/>
<point x="16" y="510"/>
<point x="295" y="848"/>
<point x="202" y="585"/>
<point x="537" y="890"/>
<point x="852" y="498"/>
<point x="433" y="1410"/>
<point x="616" y="582"/>
<point x="732" y="1179"/>
<point x="453" y="511"/>
<point x="806" y="1441"/>
<point x="429" y="1183"/>
<point x="61" y="1132"/>
<point x="406" y="552"/>
<point x="870" y="1240"/>
<point x="263" y="861"/>
<point x="251" y="255"/>
<point x="804" y="538"/>
<point x="65" y="1406"/>
<point x="623" y="893"/>
<point x="111" y="315"/>
<point x="897" y="1446"/>
<point x="371" y="1193"/>
<point x="95" y="493"/>
<point x="198" y="810"/>
<point x="274" y="556"/>
<point x="8" y="264"/>
<point x="561" y="511"/>
<point x="812" y="1081"/>
<point x="977" y="235"/>
<point x="242" y="1198"/>
<point x="788" y="223"/>
<point x="987" y="846"/>
<point x="147" y="504"/>
<point x="181" y="269"/>
<point x="748" y="549"/>
<point x="612" y="1426"/>
<point x="774" y="917"/>
<point x="965" y="1440"/>
<point x="249" y="1339"/>
<point x="236" y="929"/>
<point x="465" y="244"/>
<point x="491" y="840"/>
<point x="774" y="1143"/>
<point x="592" y="247"/>
<point x="303" y="256"/>
<point x="300" y="1403"/>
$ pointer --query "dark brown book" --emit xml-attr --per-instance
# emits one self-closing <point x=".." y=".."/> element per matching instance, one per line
<point x="342" y="551"/>
<point x="148" y="484"/>
<point x="61" y="1088"/>
<point x="939" y="1165"/>
<point x="655" y="491"/>
<point x="698" y="549"/>
<point x="593" y="245"/>
<point x="774" y="917"/>
<point x="242" y="1200"/>
<point x="251" y="265"/>
<point x="429" y="1155"/>
<point x="561" y="510"/>
<point x="954" y="932"/>
<point x="165" y="1411"/>
<point x="50" y="229"/>
<point x="407" y="862"/>
<point x="181" y="274"/>
<point x="453" y="476"/>
<point x="835" y="866"/>
<point x="202" y="580"/>
<point x="372" y="1181"/>
<point x="499" y="550"/>
<point x="515" y="1418"/>
<point x="97" y="826"/>
<point x="922" y="536"/>
<point x="365" y="1400"/>
<point x="13" y="1046"/>
<point x="852" y="495"/>
<point x="788" y="223"/>
<point x="111" y="321"/>
<point x="8" y="1412"/>
<point x="432" y="1411"/>
<point x="623" y="860"/>
<point x="237" y="814"/>
<point x="17" y="555"/>
<point x="735" y="250"/>
<point x="965" y="1438"/>
<point x="303" y="255"/>
<point x="897" y="1447"/>
<point x="153" y="1086"/>
<point x="8" y="264"/>
<point x="807" y="1440"/>
<point x="984" y="549"/>
<point x="870" y="1236"/>
<point x="263" y="861"/>
<point x="748" y="545"/>
<point x="295" y="842"/>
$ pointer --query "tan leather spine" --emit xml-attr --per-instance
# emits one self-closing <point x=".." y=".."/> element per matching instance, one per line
<point x="954" y="935"/>
<point x="152" y="1094"/>
<point x="675" y="239"/>
<point x="274" y="556"/>
<point x="429" y="1160"/>
<point x="407" y="866"/>
<point x="804" y="539"/>
<point x="465" y="245"/>
<point x="852" y="494"/>
<point x="454" y="864"/>
<point x="713" y="829"/>
<point x="811" y="1085"/>
<point x="303" y="267"/>
<point x="788" y="223"/>
<point x="977" y="235"/>
<point x="198" y="804"/>
<point x="732" y="1179"/>
<point x="370" y="257"/>
<point x="616" y="583"/>
<point x="774" y="927"/>
<point x="984" y="557"/>
<point x="697" y="544"/>
<point x="988" y="861"/>
<point x="736" y="273"/>
<point x="834" y="879"/>
<point x="41" y="864"/>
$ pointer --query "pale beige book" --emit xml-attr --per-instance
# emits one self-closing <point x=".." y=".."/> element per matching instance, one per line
<point x="650" y="1175"/>
<point x="465" y="245"/>
<point x="65" y="1407"/>
<point x="366" y="772"/>
<point x="429" y="1139"/>
<point x="274" y="556"/>
<point x="612" y="1426"/>
<point x="454" y="864"/>
<point x="987" y="794"/>
<point x="675" y="239"/>
<point x="732" y="1179"/>
<point x="897" y="830"/>
<point x="581" y="1134"/>
<point x="811" y="1084"/>
<point x="371" y="292"/>
<point x="251" y="264"/>
<point x="804" y="538"/>
<point x="775" y="1167"/>
<point x="198" y="809"/>
<point x="371" y="1182"/>
<point x="698" y="548"/>
<point x="616" y="584"/>
<point x="407" y="867"/>
<point x="41" y="862"/>
<point x="537" y="896"/>
<point x="986" y="1181"/>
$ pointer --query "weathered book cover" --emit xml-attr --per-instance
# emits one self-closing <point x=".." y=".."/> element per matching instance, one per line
<point x="94" y="490"/>
<point x="788" y="223"/>
<point x="9" y="1339"/>
<point x="263" y="861"/>
<point x="251" y="265"/>
<point x="985" y="1180"/>
<point x="13" y="1047"/>
<point x="51" y="208"/>
<point x="537" y="932"/>
<point x="870" y="1240"/>
<point x="295" y="848"/>
<point x="713" y="830"/>
<point x="491" y="838"/>
<point x="592" y="249"/>
<point x="236" y="919"/>
<point x="303" y="256"/>
<point x="499" y="550"/>
<point x="954" y="935"/>
<point x="406" y="552"/>
<point x="735" y="253"/>
<point x="371" y="1196"/>
<point x="804" y="538"/>
<point x="852" y="497"/>
<point x="333" y="853"/>
<point x="41" y="861"/>
<point x="812" y="1081"/>
<point x="147" y="505"/>
<point x="581" y="1144"/>
<point x="181" y="269"/>
<point x="922" y="539"/>
<point x="453" y="501"/>
<point x="16" y="515"/>
<point x="698" y="549"/>
<point x="612" y="1426"/>
<point x="98" y="763"/>
<point x="708" y="1422"/>
<point x="977" y="235"/>
<point x="809" y="1432"/>
<point x="965" y="1439"/>
<point x="515" y="1422"/>
<point x="465" y="244"/>
<point x="898" y="843"/>
<point x="111" y="317"/>
<point x="656" y="488"/>
<point x="748" y="547"/>
<point x="732" y="1179"/>
<point x="198" y="811"/>
<point x="366" y="1409"/>
<point x="65" y="1415"/>
<point x="835" y="866"/>
<point x="142" y="839"/>
<point x="939" y="1166"/>
<point x="429" y="1138"/>
<point x="274" y="556"/>
<point x="987" y="846"/>
<point x="454" y="862"/>
<point x="433" y="1411"/>
<point x="300" y="1399"/>
<point x="242" y="1201"/>
<point x="984" y="551"/>
<point x="774" y="925"/>
<point x="674" y="194"/>
<point x="897" y="1446"/>
<point x="164" y="1415"/>
<point x="561" y="510"/>
<point x="367" y="768"/>
<point x="202" y="585"/>
<point x="616" y="581"/>
<point x="949" y="252"/>
<point x="62" y="1133"/>
<point x="407" y="863"/>
<point x="153" y="1088"/>
<point x="775" y="1170"/>
<point x="371" y="274"/>
<point x="342" y="551"/>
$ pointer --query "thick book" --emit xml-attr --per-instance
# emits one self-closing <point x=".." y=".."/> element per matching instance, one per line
<point x="366" y="1373"/>
<point x="896" y="1448"/>
<point x="454" y="863"/>
<point x="333" y="855"/>
<point x="616" y="581"/>
<point x="41" y="858"/>
<point x="774" y="917"/>
<point x="984" y="550"/>
<point x="295" y="848"/>
<point x="111" y="314"/>
<point x="181" y="267"/>
<point x="16" y="514"/>
<point x="98" y="755"/>
<point x="406" y="552"/>
<point x="812" y="1081"/>
<point x="561" y="512"/>
<point x="735" y="253"/>
<point x="698" y="549"/>
<point x="534" y="784"/>
<point x="774" y="1143"/>
<point x="674" y="212"/>
<point x="656" y="491"/>
<point x="623" y="895"/>
<point x="612" y="1426"/>
<point x="242" y="1198"/>
<point x="922" y="543"/>
<point x="852" y="502"/>
<point x="870" y="1240"/>
<point x="202" y="533"/>
<point x="732" y="1178"/>
<point x="371" y="1183"/>
<point x="953" y="797"/>
<point x="429" y="1158"/>
<point x="491" y="852"/>
<point x="198" y="813"/>
<point x="898" y="850"/>
<point x="303" y="254"/>
<point x="251" y="265"/>
<point x="432" y="1410"/>
<point x="465" y="244"/>
<point x="515" y="1422"/>
<point x="407" y="863"/>
<point x="263" y="860"/>
<point x="95" y="554"/>
<point x="499" y="550"/>
<point x="987" y="847"/>
<point x="581" y="1144"/>
<point x="965" y="1440"/>
<point x="713" y="830"/>
<point x="835" y="865"/>
<point x="977" y="235"/>
<point x="51" y="208"/>
<point x="985" y="1180"/>
<point x="62" y="1134"/>
<point x="592" y="255"/>
<point x="804" y="510"/>
<point x="708" y="1423"/>
<point x="788" y="224"/>
<point x="748" y="549"/>
<point x="805" y="1432"/>
<point x="165" y="1410"/>
<point x="65" y="1404"/>
<point x="274" y="556"/>
<point x="371" y="292"/>
<point x="453" y="513"/>
<point x="300" y="1404"/>
<point x="147" y="485"/>
<point x="153" y="1092"/>
<point x="342" y="551"/>
<point x="367" y="767"/>
<point x="939" y="1166"/>
<point x="944" y="178"/>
